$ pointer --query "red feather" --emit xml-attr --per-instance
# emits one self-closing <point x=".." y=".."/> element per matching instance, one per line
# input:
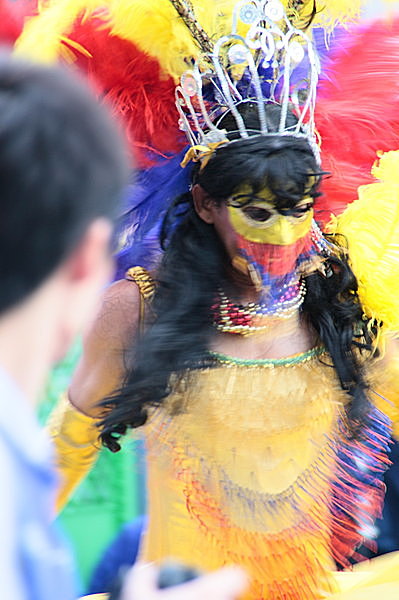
<point x="12" y="18"/>
<point x="357" y="112"/>
<point x="132" y="84"/>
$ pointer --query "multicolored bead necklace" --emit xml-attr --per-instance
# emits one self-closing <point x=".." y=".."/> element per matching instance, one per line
<point x="252" y="318"/>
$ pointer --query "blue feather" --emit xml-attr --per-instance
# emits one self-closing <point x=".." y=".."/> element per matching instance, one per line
<point x="145" y="204"/>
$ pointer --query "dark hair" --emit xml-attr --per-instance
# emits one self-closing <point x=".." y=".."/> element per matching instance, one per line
<point x="193" y="267"/>
<point x="62" y="164"/>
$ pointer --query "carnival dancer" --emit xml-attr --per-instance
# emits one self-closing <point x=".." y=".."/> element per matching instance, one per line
<point x="255" y="378"/>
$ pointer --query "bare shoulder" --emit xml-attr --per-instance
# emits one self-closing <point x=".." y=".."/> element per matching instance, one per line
<point x="125" y="293"/>
<point x="107" y="345"/>
<point x="119" y="312"/>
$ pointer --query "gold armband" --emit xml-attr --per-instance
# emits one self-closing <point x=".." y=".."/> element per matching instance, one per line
<point x="143" y="280"/>
<point x="75" y="438"/>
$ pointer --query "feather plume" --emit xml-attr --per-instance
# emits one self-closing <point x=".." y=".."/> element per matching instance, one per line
<point x="371" y="226"/>
<point x="12" y="18"/>
<point x="157" y="28"/>
<point x="43" y="36"/>
<point x="145" y="205"/>
<point x="330" y="14"/>
<point x="131" y="83"/>
<point x="185" y="10"/>
<point x="357" y="113"/>
<point x="154" y="26"/>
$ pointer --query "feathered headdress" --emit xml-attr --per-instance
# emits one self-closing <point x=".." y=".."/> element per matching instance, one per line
<point x="135" y="53"/>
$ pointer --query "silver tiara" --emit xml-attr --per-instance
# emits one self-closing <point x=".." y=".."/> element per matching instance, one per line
<point x="264" y="59"/>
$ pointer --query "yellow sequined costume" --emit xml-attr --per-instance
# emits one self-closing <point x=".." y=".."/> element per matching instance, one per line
<point x="249" y="463"/>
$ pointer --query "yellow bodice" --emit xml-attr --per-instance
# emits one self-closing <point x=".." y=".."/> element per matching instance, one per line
<point x="239" y="465"/>
<point x="249" y="463"/>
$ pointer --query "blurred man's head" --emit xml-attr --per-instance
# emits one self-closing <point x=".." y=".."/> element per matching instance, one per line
<point x="61" y="167"/>
<point x="62" y="171"/>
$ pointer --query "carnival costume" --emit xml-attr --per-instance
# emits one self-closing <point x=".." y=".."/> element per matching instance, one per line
<point x="282" y="489"/>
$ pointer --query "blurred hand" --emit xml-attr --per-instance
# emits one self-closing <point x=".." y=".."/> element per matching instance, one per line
<point x="225" y="584"/>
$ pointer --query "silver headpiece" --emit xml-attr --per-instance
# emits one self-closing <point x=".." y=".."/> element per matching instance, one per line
<point x="265" y="59"/>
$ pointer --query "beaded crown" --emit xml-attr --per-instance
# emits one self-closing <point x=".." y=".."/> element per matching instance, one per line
<point x="264" y="59"/>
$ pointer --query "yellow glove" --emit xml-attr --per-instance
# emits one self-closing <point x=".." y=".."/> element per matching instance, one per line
<point x="75" y="437"/>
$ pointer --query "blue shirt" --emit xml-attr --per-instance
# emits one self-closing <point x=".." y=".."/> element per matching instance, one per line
<point x="34" y="564"/>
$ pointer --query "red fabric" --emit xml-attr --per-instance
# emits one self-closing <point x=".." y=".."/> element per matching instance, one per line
<point x="357" y="111"/>
<point x="275" y="260"/>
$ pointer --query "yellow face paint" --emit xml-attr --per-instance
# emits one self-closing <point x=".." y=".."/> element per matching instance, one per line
<point x="257" y="220"/>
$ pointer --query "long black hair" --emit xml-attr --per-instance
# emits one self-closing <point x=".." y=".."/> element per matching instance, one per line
<point x="193" y="267"/>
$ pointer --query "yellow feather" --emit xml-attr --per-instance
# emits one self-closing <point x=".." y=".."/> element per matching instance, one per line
<point x="371" y="226"/>
<point x="43" y="35"/>
<point x="155" y="26"/>
<point x="337" y="12"/>
<point x="158" y="30"/>
<point x="332" y="13"/>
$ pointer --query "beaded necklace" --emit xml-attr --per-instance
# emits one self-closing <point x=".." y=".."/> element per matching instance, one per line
<point x="252" y="318"/>
<point x="268" y="363"/>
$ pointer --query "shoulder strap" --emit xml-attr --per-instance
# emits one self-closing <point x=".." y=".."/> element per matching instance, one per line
<point x="146" y="285"/>
<point x="143" y="280"/>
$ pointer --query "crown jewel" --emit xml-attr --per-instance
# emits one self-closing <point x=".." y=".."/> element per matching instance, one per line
<point x="264" y="59"/>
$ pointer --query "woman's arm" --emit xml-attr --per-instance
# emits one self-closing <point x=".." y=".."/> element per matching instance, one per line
<point x="106" y="345"/>
<point x="72" y="424"/>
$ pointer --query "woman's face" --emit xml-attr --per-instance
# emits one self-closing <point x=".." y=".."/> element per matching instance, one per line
<point x="270" y="239"/>
<point x="256" y="218"/>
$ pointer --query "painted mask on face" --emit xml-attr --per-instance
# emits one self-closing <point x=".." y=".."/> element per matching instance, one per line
<point x="270" y="240"/>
